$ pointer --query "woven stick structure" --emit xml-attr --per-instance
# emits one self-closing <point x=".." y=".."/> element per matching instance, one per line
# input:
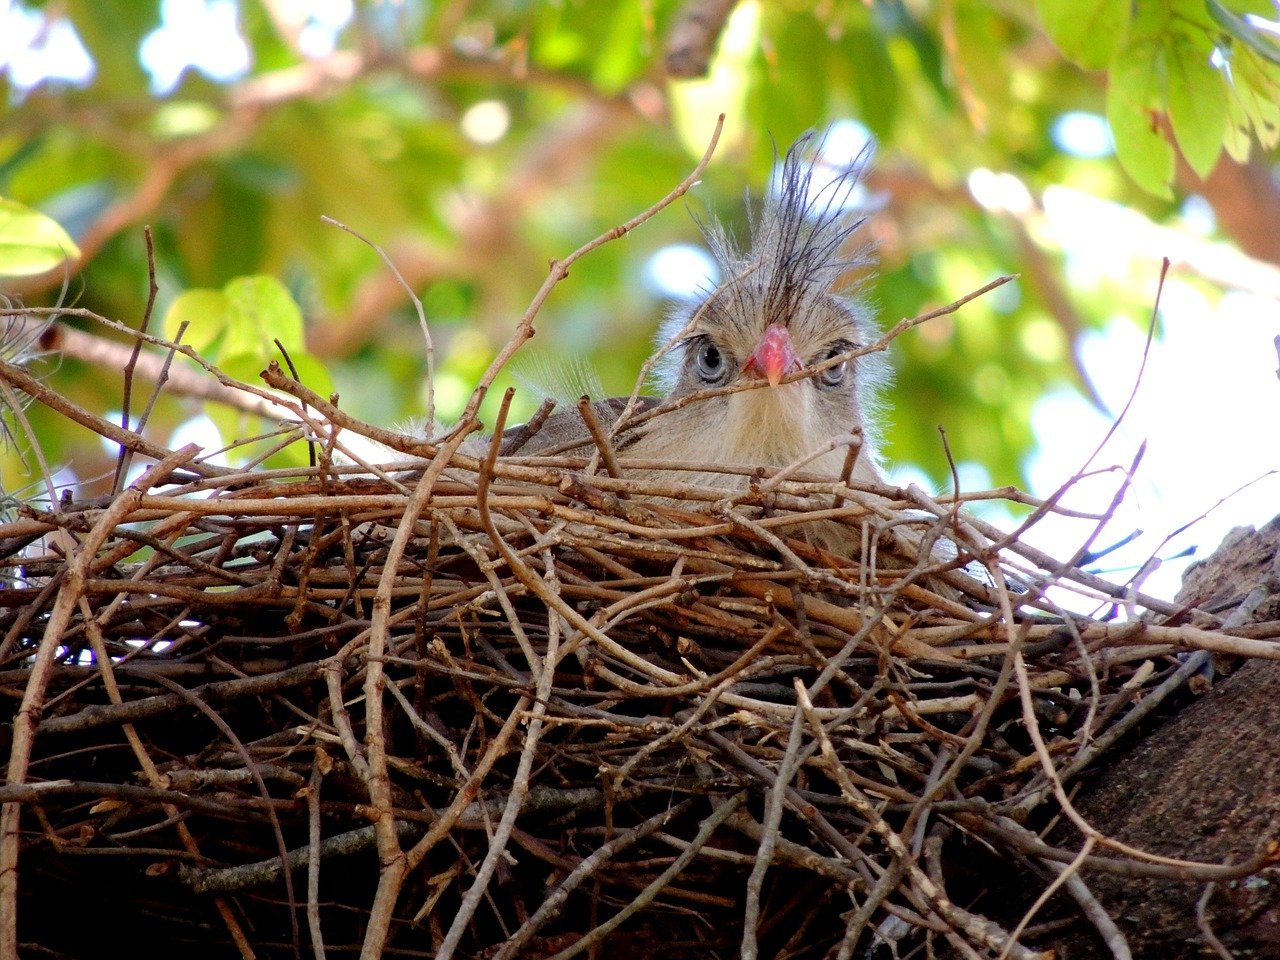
<point x="485" y="706"/>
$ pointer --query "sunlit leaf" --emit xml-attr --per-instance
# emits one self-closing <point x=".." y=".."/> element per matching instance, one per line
<point x="984" y="84"/>
<point x="1197" y="103"/>
<point x="1237" y="138"/>
<point x="183" y="118"/>
<point x="622" y="53"/>
<point x="205" y="314"/>
<point x="1086" y="31"/>
<point x="1257" y="88"/>
<point x="30" y="242"/>
<point x="247" y="368"/>
<point x="1133" y="110"/>
<point x="311" y="373"/>
<point x="261" y="311"/>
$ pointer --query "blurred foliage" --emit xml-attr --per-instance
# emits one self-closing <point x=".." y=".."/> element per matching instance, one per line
<point x="476" y="140"/>
<point x="30" y="242"/>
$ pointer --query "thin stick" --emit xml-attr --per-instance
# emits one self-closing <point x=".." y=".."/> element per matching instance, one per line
<point x="122" y="464"/>
<point x="1202" y="924"/>
<point x="319" y="761"/>
<point x="417" y="306"/>
<point x="395" y="864"/>
<point x="520" y="783"/>
<point x="650" y="892"/>
<point x="560" y="270"/>
<point x="554" y="902"/>
<point x="598" y="434"/>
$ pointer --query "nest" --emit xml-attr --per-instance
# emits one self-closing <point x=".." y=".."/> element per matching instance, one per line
<point x="503" y="707"/>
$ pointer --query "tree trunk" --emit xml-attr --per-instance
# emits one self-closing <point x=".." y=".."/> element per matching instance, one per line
<point x="1204" y="786"/>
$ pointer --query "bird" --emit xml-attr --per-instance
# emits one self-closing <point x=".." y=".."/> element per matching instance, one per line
<point x="761" y="370"/>
<point x="779" y="365"/>
<point x="764" y="370"/>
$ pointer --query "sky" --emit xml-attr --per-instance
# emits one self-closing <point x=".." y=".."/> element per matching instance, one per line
<point x="1204" y="398"/>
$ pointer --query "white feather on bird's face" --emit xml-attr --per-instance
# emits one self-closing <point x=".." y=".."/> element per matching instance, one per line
<point x="779" y="311"/>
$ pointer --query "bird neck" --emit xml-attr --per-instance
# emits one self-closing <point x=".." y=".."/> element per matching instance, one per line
<point x="769" y="427"/>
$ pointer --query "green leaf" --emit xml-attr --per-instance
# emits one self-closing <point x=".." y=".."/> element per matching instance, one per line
<point x="1087" y="32"/>
<point x="874" y="83"/>
<point x="1237" y="140"/>
<point x="248" y="367"/>
<point x="312" y="373"/>
<point x="1197" y="95"/>
<point x="621" y="56"/>
<point x="1257" y="91"/>
<point x="261" y="311"/>
<point x="558" y="42"/>
<point x="176" y="119"/>
<point x="245" y="317"/>
<point x="1134" y="102"/>
<point x="979" y="37"/>
<point x="30" y="242"/>
<point x="205" y="313"/>
<point x="245" y="367"/>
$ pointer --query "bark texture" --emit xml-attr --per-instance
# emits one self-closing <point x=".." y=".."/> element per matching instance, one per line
<point x="1204" y="786"/>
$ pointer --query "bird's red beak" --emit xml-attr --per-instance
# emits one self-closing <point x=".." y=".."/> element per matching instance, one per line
<point x="774" y="356"/>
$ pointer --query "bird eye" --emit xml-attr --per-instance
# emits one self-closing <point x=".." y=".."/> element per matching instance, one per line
<point x="833" y="376"/>
<point x="709" y="363"/>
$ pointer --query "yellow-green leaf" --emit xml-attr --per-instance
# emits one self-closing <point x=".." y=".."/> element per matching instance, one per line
<point x="260" y="311"/>
<point x="1257" y="92"/>
<point x="248" y="367"/>
<point x="245" y="367"/>
<point x="622" y="55"/>
<point x="1086" y="31"/>
<point x="311" y="373"/>
<point x="204" y="312"/>
<point x="1134" y="102"/>
<point x="1197" y="103"/>
<point x="30" y="242"/>
<point x="1237" y="139"/>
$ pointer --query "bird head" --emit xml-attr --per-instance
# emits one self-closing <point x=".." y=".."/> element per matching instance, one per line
<point x="783" y="308"/>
